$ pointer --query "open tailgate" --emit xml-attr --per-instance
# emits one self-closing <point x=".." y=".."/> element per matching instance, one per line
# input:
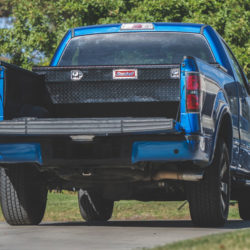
<point x="85" y="126"/>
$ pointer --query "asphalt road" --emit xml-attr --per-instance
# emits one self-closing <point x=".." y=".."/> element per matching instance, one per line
<point x="112" y="235"/>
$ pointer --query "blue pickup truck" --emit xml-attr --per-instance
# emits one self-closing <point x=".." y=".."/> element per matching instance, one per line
<point x="145" y="111"/>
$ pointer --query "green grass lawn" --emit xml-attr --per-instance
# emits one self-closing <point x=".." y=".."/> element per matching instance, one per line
<point x="64" y="207"/>
<point x="237" y="240"/>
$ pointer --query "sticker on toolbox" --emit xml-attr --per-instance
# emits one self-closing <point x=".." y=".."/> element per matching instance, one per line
<point x="125" y="74"/>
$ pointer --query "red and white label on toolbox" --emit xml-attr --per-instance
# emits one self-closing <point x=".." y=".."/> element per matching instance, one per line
<point x="125" y="74"/>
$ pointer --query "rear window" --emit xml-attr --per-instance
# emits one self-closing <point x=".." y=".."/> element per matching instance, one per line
<point x="134" y="48"/>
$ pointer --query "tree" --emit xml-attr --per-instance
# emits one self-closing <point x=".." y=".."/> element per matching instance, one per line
<point x="5" y="8"/>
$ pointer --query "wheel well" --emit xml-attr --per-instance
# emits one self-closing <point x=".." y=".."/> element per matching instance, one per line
<point x="226" y="132"/>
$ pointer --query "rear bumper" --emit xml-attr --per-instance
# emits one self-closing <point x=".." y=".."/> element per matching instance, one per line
<point x="129" y="150"/>
<point x="196" y="149"/>
<point x="12" y="153"/>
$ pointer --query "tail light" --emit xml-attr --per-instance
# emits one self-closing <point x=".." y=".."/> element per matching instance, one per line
<point x="192" y="93"/>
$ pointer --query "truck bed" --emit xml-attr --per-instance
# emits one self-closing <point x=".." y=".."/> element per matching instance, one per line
<point x="50" y="93"/>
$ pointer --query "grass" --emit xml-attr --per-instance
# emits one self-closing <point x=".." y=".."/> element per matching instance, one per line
<point x="237" y="240"/>
<point x="64" y="207"/>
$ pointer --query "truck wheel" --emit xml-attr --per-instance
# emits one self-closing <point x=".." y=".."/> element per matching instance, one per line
<point x="23" y="198"/>
<point x="93" y="207"/>
<point x="244" y="205"/>
<point x="209" y="198"/>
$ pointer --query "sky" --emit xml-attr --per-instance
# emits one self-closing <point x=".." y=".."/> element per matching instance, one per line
<point x="5" y="22"/>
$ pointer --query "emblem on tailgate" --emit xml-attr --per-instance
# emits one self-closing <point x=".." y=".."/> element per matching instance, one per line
<point x="125" y="74"/>
<point x="76" y="75"/>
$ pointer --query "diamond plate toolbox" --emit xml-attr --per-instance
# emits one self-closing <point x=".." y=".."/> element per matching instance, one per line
<point x="97" y="84"/>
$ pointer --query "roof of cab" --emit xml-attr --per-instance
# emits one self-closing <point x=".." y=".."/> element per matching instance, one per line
<point x="111" y="28"/>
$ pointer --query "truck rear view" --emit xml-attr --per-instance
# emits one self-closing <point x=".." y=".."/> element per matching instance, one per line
<point x="117" y="115"/>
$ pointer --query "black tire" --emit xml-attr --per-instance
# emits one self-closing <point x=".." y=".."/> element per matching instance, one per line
<point x="244" y="205"/>
<point x="22" y="195"/>
<point x="209" y="199"/>
<point x="93" y="207"/>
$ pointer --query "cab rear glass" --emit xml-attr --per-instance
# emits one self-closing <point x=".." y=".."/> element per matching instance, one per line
<point x="135" y="48"/>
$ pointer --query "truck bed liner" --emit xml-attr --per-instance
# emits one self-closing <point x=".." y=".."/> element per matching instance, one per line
<point x="85" y="126"/>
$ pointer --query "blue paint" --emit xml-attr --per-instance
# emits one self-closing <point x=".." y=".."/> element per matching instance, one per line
<point x="178" y="27"/>
<point x="61" y="48"/>
<point x="1" y="93"/>
<point x="20" y="153"/>
<point x="188" y="65"/>
<point x="190" y="122"/>
<point x="213" y="73"/>
<point x="217" y="48"/>
<point x="97" y="29"/>
<point x="111" y="28"/>
<point x="167" y="151"/>
<point x="178" y="127"/>
<point x="213" y="44"/>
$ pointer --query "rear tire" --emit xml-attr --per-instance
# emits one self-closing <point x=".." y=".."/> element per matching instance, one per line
<point x="209" y="199"/>
<point x="22" y="195"/>
<point x="244" y="205"/>
<point x="93" y="207"/>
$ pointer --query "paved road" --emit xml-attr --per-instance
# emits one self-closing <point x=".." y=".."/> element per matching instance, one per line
<point x="112" y="235"/>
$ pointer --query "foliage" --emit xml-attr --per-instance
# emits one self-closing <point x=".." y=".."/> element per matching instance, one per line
<point x="40" y="24"/>
<point x="5" y="8"/>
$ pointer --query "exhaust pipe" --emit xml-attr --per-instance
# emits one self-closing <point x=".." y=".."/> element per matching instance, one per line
<point x="184" y="176"/>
